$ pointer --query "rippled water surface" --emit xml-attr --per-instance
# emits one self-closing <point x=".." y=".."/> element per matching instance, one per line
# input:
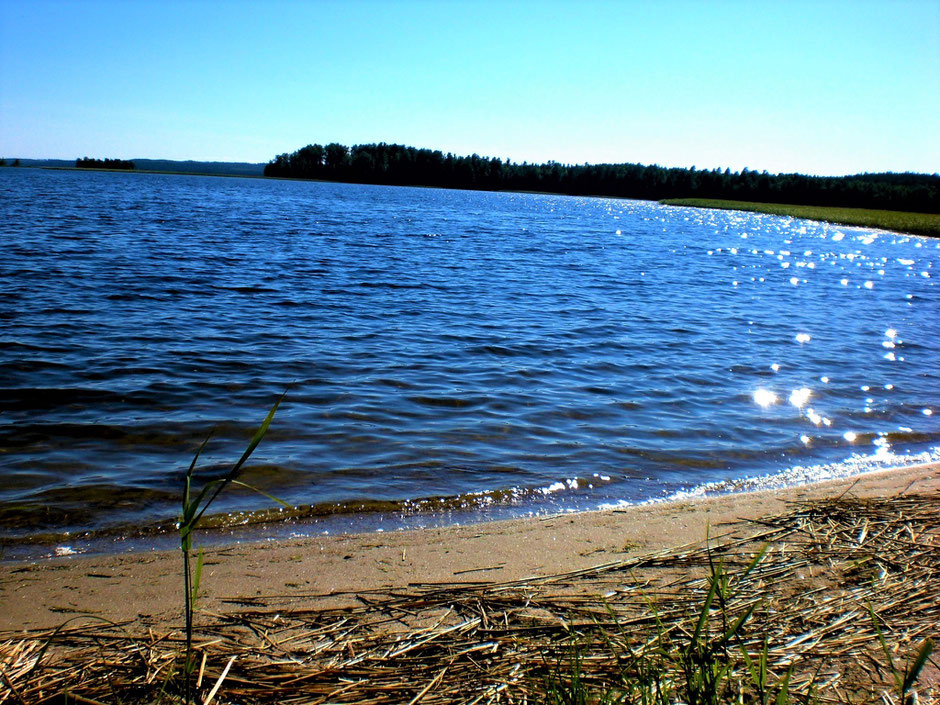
<point x="449" y="354"/>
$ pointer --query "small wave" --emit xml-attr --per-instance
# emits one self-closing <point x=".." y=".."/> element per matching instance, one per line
<point x="798" y="475"/>
<point x="29" y="523"/>
<point x="395" y="285"/>
<point x="36" y="398"/>
<point x="248" y="289"/>
<point x="444" y="402"/>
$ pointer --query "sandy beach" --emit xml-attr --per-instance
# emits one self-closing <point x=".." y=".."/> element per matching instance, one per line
<point x="324" y="571"/>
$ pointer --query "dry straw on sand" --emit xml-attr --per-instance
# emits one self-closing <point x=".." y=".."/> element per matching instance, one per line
<point x="829" y="564"/>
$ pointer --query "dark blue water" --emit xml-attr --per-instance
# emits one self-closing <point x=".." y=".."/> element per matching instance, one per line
<point x="447" y="353"/>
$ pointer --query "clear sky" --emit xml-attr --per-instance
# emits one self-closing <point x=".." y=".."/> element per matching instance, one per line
<point x="825" y="87"/>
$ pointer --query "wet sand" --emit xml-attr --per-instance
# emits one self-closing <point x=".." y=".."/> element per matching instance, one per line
<point x="145" y="588"/>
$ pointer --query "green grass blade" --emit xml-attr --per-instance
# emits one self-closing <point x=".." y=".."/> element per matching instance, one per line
<point x="884" y="645"/>
<point x="197" y="575"/>
<point x="194" y="505"/>
<point x="192" y="465"/>
<point x="783" y="695"/>
<point x="754" y="563"/>
<point x="913" y="672"/>
<point x="259" y="434"/>
<point x="189" y="509"/>
<point x="190" y="518"/>
<point x="739" y="622"/>
<point x="706" y="607"/>
<point x="752" y="669"/>
<point x="261" y="492"/>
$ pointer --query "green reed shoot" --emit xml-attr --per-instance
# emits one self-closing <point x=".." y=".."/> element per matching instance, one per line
<point x="904" y="679"/>
<point x="193" y="510"/>
<point x="701" y="670"/>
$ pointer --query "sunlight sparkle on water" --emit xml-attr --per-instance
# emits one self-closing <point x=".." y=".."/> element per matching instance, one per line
<point x="799" y="397"/>
<point x="850" y="436"/>
<point x="765" y="397"/>
<point x="817" y="418"/>
<point x="803" y="337"/>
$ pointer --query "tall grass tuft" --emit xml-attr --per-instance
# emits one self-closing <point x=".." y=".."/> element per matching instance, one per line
<point x="194" y="507"/>
<point x="704" y="662"/>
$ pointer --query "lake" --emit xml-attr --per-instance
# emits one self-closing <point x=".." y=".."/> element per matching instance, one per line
<point x="449" y="356"/>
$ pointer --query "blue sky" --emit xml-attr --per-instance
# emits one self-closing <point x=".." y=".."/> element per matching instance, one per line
<point x="824" y="87"/>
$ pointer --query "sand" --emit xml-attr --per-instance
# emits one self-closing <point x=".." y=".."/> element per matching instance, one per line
<point x="144" y="588"/>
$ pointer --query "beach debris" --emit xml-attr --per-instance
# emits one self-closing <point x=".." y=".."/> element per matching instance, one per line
<point x="840" y="581"/>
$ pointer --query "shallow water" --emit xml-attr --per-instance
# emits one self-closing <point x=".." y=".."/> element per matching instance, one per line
<point x="449" y="355"/>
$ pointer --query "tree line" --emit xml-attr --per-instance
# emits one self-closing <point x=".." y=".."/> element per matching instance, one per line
<point x="86" y="163"/>
<point x="407" y="166"/>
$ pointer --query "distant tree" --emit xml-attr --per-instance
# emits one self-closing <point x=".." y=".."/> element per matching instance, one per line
<point x="309" y="160"/>
<point x="336" y="155"/>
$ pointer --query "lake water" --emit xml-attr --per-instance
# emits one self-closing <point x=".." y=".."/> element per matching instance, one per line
<point x="450" y="356"/>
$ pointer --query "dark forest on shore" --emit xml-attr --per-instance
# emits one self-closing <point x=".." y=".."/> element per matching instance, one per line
<point x="407" y="166"/>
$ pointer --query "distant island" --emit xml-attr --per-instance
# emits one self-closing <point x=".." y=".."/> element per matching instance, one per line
<point x="159" y="165"/>
<point x="395" y="164"/>
<point x="120" y="164"/>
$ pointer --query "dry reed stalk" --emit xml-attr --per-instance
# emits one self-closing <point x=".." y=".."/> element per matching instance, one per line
<point x="493" y="642"/>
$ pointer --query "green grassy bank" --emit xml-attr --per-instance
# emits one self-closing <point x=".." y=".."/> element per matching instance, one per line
<point x="915" y="223"/>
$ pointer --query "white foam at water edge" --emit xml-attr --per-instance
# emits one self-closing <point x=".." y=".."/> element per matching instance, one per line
<point x="854" y="465"/>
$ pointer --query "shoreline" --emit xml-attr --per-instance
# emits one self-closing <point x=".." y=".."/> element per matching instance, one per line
<point x="898" y="222"/>
<point x="274" y="524"/>
<point x="143" y="588"/>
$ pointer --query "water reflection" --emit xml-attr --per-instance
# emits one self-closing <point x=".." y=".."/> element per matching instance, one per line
<point x="765" y="398"/>
<point x="799" y="397"/>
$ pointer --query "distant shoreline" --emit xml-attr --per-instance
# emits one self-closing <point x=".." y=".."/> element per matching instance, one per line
<point x="148" y="171"/>
<point x="160" y="166"/>
<point x="897" y="221"/>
